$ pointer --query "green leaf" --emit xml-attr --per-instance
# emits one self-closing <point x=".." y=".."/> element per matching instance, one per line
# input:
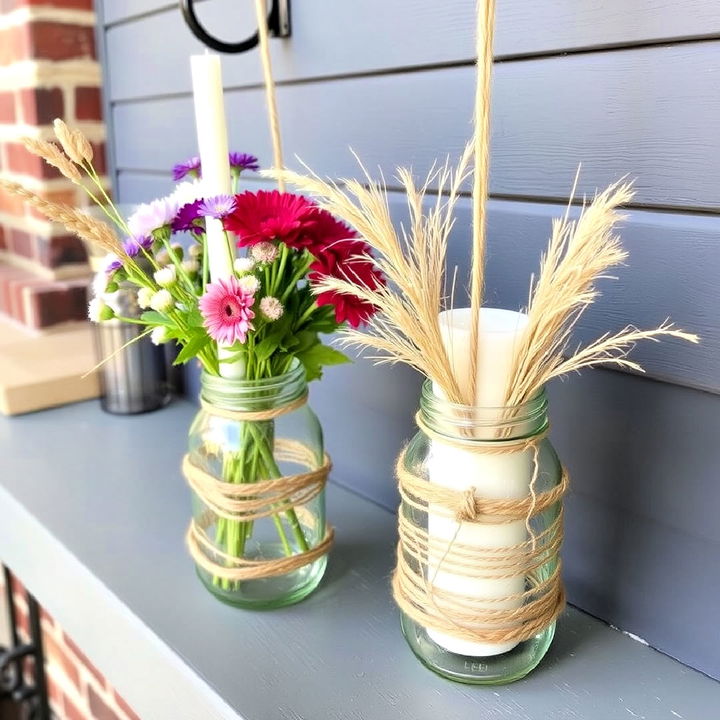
<point x="318" y="355"/>
<point x="323" y="320"/>
<point x="194" y="345"/>
<point x="265" y="348"/>
<point x="194" y="318"/>
<point x="155" y="318"/>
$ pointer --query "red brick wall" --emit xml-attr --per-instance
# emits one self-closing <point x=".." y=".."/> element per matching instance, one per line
<point x="48" y="69"/>
<point x="77" y="689"/>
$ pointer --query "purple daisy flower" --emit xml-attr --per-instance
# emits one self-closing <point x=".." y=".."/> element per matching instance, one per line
<point x="185" y="219"/>
<point x="132" y="245"/>
<point x="111" y="264"/>
<point x="217" y="207"/>
<point x="189" y="167"/>
<point x="242" y="161"/>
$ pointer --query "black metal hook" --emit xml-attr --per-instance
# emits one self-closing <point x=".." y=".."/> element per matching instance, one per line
<point x="278" y="25"/>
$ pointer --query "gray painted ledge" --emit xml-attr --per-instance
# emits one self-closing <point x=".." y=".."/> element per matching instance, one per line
<point x="92" y="515"/>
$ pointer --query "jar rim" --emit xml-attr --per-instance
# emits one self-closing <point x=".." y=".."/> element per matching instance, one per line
<point x="277" y="389"/>
<point x="521" y="420"/>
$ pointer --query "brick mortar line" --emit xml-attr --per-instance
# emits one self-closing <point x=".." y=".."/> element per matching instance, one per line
<point x="93" y="129"/>
<point x="33" y="225"/>
<point x="64" y="273"/>
<point x="66" y="16"/>
<point x="85" y="72"/>
<point x="48" y="184"/>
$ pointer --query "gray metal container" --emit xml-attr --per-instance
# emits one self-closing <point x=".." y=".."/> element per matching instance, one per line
<point x="137" y="378"/>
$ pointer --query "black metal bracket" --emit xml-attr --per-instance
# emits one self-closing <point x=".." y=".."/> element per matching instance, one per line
<point x="29" y="699"/>
<point x="278" y="25"/>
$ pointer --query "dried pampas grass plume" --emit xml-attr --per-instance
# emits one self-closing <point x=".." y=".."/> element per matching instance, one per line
<point x="579" y="253"/>
<point x="406" y="328"/>
<point x="86" y="227"/>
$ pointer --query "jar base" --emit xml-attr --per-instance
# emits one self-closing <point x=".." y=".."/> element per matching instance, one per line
<point x="490" y="670"/>
<point x="267" y="593"/>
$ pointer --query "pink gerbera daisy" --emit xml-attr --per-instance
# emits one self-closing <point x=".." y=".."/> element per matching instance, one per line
<point x="226" y="308"/>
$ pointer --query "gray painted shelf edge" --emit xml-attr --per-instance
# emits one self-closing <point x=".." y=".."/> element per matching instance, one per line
<point x="100" y="545"/>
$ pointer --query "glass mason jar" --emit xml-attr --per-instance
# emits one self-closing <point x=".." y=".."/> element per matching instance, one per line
<point x="263" y="534"/>
<point x="479" y="588"/>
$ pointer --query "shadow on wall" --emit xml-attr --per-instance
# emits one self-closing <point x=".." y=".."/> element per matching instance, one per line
<point x="642" y="538"/>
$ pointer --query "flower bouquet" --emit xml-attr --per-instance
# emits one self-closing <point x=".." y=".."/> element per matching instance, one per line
<point x="256" y="456"/>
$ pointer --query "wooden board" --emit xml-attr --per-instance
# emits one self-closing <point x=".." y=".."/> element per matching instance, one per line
<point x="39" y="371"/>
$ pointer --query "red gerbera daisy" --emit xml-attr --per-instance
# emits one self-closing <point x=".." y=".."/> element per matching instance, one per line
<point x="264" y="216"/>
<point x="348" y="260"/>
<point x="322" y="232"/>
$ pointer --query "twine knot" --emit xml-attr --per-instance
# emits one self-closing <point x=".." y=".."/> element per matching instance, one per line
<point x="468" y="509"/>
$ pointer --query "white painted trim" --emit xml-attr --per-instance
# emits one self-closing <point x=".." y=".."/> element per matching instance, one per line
<point x="32" y="13"/>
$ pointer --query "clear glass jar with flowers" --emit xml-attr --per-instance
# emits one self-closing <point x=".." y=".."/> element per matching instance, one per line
<point x="256" y="463"/>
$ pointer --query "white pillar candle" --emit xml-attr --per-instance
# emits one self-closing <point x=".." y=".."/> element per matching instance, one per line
<point x="502" y="476"/>
<point x="213" y="149"/>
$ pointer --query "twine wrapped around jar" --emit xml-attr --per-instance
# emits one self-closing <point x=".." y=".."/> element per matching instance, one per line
<point x="513" y="618"/>
<point x="246" y="502"/>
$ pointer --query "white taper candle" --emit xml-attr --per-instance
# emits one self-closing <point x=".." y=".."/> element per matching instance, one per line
<point x="494" y="476"/>
<point x="212" y="138"/>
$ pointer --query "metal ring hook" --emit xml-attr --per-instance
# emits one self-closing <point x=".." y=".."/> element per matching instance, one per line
<point x="278" y="25"/>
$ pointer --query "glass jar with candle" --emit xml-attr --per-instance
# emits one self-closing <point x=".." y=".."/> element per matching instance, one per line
<point x="478" y="576"/>
<point x="257" y="470"/>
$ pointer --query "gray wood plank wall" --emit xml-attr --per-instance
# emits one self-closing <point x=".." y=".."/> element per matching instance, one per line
<point x="624" y="88"/>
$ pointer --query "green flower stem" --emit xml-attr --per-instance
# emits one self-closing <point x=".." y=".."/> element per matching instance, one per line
<point x="284" y="254"/>
<point x="230" y="247"/>
<point x="205" y="269"/>
<point x="306" y="315"/>
<point x="281" y="533"/>
<point x="299" y="274"/>
<point x="90" y="169"/>
<point x="290" y="513"/>
<point x="253" y="462"/>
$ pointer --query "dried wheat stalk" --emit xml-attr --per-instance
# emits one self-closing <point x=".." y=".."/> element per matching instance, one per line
<point x="88" y="228"/>
<point x="52" y="155"/>
<point x="74" y="143"/>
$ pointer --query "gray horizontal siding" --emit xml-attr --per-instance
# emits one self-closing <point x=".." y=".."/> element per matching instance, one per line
<point x="652" y="112"/>
<point x="340" y="38"/>
<point x="642" y="546"/>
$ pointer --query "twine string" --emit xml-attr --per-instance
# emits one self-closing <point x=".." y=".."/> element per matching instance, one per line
<point x="270" y="94"/>
<point x="512" y="618"/>
<point x="244" y="502"/>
